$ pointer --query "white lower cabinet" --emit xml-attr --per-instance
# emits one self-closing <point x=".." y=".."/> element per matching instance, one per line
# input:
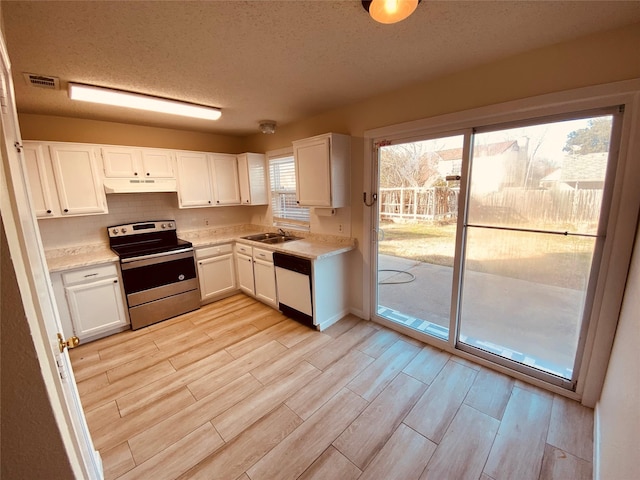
<point x="90" y="302"/>
<point x="256" y="273"/>
<point x="216" y="272"/>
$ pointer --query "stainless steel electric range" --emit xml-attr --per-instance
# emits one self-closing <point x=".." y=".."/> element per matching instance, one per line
<point x="158" y="271"/>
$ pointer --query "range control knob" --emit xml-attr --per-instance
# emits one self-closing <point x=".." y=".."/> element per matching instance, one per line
<point x="115" y="231"/>
<point x="171" y="225"/>
<point x="164" y="225"/>
<point x="123" y="230"/>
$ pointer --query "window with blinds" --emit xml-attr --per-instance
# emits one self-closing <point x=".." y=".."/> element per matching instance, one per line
<point x="282" y="178"/>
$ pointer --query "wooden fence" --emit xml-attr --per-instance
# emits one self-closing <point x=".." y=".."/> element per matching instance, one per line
<point x="570" y="207"/>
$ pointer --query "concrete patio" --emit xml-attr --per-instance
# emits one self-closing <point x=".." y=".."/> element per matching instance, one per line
<point x="533" y="323"/>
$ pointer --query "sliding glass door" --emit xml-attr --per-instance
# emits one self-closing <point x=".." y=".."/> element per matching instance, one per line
<point x="490" y="240"/>
<point x="417" y="227"/>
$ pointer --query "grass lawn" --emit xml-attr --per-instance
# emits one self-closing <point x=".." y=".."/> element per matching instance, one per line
<point x="549" y="259"/>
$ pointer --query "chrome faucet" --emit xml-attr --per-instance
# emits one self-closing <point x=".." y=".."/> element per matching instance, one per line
<point x="282" y="232"/>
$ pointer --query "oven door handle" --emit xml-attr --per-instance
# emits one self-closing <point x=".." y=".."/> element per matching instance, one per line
<point x="154" y="258"/>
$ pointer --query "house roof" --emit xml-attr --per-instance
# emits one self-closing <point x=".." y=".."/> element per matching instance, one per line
<point x="279" y="60"/>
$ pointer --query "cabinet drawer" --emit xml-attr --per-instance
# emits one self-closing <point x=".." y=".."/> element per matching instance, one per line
<point x="244" y="249"/>
<point x="214" y="251"/>
<point x="90" y="274"/>
<point x="265" y="255"/>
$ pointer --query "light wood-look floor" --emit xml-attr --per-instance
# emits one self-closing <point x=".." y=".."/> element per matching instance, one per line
<point x="238" y="391"/>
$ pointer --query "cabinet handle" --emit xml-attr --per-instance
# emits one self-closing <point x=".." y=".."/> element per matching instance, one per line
<point x="115" y="281"/>
<point x="298" y="202"/>
<point x="217" y="201"/>
<point x="90" y="275"/>
<point x="148" y="174"/>
<point x="209" y="201"/>
<point x="66" y="210"/>
<point x="48" y="211"/>
<point x="135" y="173"/>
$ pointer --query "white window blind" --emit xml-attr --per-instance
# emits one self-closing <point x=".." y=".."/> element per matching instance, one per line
<point x="282" y="178"/>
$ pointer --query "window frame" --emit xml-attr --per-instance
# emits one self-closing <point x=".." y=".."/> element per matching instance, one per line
<point x="279" y="220"/>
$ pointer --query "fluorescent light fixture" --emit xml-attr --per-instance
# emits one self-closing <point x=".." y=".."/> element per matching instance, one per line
<point x="119" y="98"/>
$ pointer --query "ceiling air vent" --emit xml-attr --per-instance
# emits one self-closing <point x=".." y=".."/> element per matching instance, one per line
<point x="42" y="81"/>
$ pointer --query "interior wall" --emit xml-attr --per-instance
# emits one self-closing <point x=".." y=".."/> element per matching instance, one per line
<point x="618" y="412"/>
<point x="31" y="442"/>
<point x="66" y="129"/>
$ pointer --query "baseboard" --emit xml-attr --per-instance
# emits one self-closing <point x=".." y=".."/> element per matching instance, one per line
<point x="357" y="312"/>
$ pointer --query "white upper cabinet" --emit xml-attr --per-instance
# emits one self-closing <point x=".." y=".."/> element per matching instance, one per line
<point x="41" y="184"/>
<point x="128" y="162"/>
<point x="224" y="179"/>
<point x="323" y="170"/>
<point x="65" y="179"/>
<point x="78" y="179"/>
<point x="207" y="179"/>
<point x="194" y="180"/>
<point x="253" y="179"/>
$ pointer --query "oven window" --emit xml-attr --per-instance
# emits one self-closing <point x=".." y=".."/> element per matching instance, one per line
<point x="158" y="275"/>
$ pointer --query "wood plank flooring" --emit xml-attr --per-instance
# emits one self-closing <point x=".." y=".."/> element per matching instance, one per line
<point x="237" y="391"/>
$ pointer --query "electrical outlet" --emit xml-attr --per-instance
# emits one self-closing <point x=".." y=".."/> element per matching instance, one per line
<point x="340" y="229"/>
<point x="206" y="222"/>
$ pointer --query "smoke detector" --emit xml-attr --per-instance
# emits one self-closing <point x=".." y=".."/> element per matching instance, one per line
<point x="42" y="81"/>
<point x="267" y="126"/>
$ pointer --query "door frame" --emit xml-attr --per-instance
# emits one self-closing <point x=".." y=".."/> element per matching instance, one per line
<point x="621" y="224"/>
<point x="32" y="275"/>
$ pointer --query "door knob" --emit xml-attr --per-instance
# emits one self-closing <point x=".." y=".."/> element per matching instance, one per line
<point x="72" y="342"/>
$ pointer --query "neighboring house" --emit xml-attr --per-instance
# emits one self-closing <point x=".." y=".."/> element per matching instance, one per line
<point x="496" y="165"/>
<point x="578" y="172"/>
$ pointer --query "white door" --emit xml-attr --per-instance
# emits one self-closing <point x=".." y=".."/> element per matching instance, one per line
<point x="194" y="183"/>
<point x="225" y="179"/>
<point x="27" y="253"/>
<point x="78" y="179"/>
<point x="313" y="172"/>
<point x="265" y="280"/>
<point x="217" y="276"/>
<point x="245" y="273"/>
<point x="41" y="195"/>
<point x="96" y="306"/>
<point x="157" y="163"/>
<point x="121" y="162"/>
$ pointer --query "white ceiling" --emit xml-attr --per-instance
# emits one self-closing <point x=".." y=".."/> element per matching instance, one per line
<point x="263" y="59"/>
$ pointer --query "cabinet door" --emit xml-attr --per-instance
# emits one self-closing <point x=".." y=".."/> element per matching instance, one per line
<point x="96" y="306"/>
<point x="121" y="162"/>
<point x="245" y="273"/>
<point x="265" y="280"/>
<point x="226" y="189"/>
<point x="313" y="172"/>
<point x="41" y="184"/>
<point x="78" y="179"/>
<point x="217" y="276"/>
<point x="252" y="178"/>
<point x="157" y="163"/>
<point x="194" y="180"/>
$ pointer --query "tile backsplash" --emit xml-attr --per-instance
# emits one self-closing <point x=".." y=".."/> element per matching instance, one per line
<point x="135" y="207"/>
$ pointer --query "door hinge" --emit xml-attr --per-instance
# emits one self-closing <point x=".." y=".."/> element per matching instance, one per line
<point x="18" y="146"/>
<point x="62" y="371"/>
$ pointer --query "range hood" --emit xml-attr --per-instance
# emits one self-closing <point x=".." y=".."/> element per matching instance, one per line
<point x="140" y="185"/>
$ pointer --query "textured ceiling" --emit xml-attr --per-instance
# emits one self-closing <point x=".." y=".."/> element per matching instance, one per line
<point x="262" y="59"/>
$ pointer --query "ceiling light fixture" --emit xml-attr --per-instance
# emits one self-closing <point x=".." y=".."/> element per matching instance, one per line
<point x="120" y="98"/>
<point x="267" y="126"/>
<point x="390" y="11"/>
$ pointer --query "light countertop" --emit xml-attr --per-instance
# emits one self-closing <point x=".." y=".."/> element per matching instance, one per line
<point x="313" y="247"/>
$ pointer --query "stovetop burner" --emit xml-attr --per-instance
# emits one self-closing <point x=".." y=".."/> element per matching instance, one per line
<point x="145" y="238"/>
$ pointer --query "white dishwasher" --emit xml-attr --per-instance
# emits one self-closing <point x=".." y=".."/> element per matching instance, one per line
<point x="293" y="280"/>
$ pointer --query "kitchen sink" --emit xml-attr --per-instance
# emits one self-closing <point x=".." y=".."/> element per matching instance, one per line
<point x="271" y="238"/>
